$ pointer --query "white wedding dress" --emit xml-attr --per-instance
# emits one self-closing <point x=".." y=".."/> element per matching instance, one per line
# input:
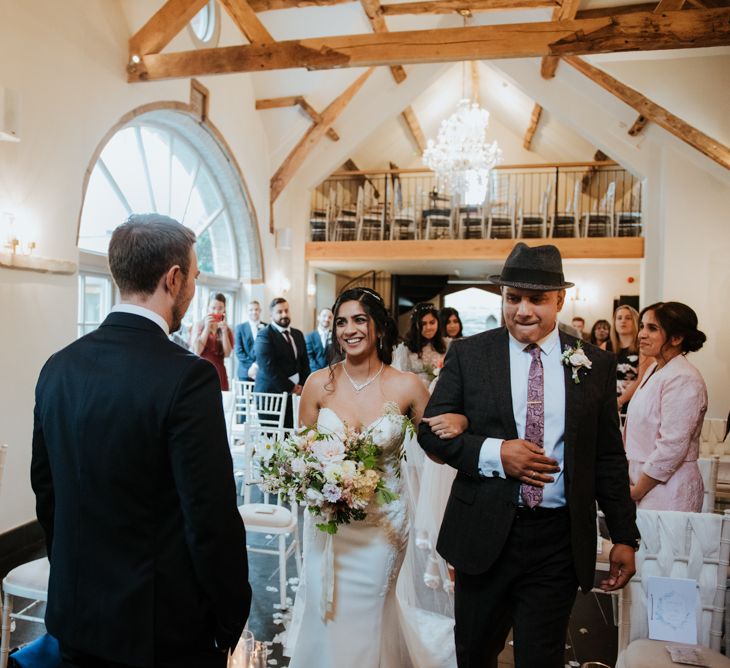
<point x="352" y="607"/>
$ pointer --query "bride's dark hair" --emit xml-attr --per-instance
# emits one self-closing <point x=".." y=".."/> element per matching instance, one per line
<point x="385" y="328"/>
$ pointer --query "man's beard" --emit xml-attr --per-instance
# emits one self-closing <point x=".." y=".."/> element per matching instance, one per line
<point x="283" y="322"/>
<point x="178" y="313"/>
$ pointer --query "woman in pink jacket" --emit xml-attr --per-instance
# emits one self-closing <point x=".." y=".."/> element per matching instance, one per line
<point x="664" y="420"/>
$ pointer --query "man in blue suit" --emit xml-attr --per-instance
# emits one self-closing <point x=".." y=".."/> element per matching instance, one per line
<point x="245" y="338"/>
<point x="318" y="341"/>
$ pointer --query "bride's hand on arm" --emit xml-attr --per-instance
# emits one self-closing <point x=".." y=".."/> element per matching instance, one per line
<point x="447" y="425"/>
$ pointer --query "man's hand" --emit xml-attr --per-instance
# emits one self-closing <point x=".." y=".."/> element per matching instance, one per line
<point x="252" y="371"/>
<point x="297" y="389"/>
<point x="527" y="462"/>
<point x="622" y="567"/>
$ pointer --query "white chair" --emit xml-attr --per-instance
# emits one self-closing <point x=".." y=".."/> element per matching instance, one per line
<point x="29" y="581"/>
<point x="502" y="219"/>
<point x="270" y="518"/>
<point x="268" y="409"/>
<point x="682" y="545"/>
<point x="535" y="225"/>
<point x="709" y="467"/>
<point x="241" y="412"/>
<point x="599" y="223"/>
<point x="567" y="223"/>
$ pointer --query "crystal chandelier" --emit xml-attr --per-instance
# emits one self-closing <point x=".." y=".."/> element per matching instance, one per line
<point x="461" y="157"/>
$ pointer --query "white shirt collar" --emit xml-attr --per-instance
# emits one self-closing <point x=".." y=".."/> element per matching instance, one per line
<point x="278" y="328"/>
<point x="254" y="325"/>
<point x="145" y="313"/>
<point x="547" y="343"/>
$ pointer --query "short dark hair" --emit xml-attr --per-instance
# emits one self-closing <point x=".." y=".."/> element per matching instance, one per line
<point x="275" y="302"/>
<point x="583" y="320"/>
<point x="677" y="319"/>
<point x="144" y="248"/>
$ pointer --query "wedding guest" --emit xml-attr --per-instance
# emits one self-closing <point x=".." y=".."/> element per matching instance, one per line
<point x="664" y="420"/>
<point x="630" y="364"/>
<point x="451" y="325"/>
<point x="318" y="341"/>
<point x="540" y="451"/>
<point x="133" y="480"/>
<point x="281" y="355"/>
<point x="579" y="325"/>
<point x="424" y="347"/>
<point x="601" y="334"/>
<point x="212" y="338"/>
<point x="245" y="339"/>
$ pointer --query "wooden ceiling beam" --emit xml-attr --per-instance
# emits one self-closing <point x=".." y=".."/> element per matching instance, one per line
<point x="669" y="6"/>
<point x="165" y="23"/>
<point x="640" y="31"/>
<point x="706" y="145"/>
<point x="639" y="125"/>
<point x="374" y="13"/>
<point x="247" y="21"/>
<point x="566" y="12"/>
<point x="461" y="6"/>
<point x="305" y="145"/>
<point x="409" y="116"/>
<point x="271" y="5"/>
<point x="534" y="121"/>
<point x="295" y="101"/>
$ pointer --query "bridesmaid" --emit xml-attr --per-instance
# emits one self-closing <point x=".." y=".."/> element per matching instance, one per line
<point x="662" y="433"/>
<point x="212" y="338"/>
<point x="424" y="348"/>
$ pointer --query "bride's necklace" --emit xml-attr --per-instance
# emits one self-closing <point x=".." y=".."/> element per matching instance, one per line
<point x="358" y="387"/>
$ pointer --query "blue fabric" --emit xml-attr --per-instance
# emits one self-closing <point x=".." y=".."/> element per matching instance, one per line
<point x="41" y="653"/>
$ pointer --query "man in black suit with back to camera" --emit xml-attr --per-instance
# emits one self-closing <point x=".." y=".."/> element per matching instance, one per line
<point x="281" y="356"/>
<point x="133" y="476"/>
<point x="543" y="445"/>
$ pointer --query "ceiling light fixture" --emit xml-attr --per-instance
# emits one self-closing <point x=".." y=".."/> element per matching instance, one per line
<point x="461" y="157"/>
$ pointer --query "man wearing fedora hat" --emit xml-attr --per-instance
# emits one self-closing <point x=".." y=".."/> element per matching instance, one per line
<point x="543" y="445"/>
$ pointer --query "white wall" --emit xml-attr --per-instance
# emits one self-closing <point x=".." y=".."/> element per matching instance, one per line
<point x="67" y="61"/>
<point x="597" y="284"/>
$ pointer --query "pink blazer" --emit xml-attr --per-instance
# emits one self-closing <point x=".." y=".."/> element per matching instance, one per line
<point x="664" y="419"/>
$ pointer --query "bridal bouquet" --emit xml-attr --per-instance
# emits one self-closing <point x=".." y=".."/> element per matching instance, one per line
<point x="335" y="476"/>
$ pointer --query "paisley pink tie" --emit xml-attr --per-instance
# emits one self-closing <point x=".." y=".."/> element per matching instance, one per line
<point x="535" y="421"/>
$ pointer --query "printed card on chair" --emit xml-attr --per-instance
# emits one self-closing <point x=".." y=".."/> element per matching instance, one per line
<point x="689" y="656"/>
<point x="672" y="608"/>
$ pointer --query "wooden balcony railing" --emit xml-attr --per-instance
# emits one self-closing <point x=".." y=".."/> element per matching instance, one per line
<point x="593" y="199"/>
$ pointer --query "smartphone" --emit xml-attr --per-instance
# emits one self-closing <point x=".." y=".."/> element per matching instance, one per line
<point x="218" y="317"/>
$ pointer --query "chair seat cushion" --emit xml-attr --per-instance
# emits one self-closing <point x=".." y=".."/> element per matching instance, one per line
<point x="29" y="580"/>
<point x="265" y="515"/>
<point x="646" y="653"/>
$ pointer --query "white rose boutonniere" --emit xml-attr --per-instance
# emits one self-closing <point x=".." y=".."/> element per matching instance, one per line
<point x="576" y="359"/>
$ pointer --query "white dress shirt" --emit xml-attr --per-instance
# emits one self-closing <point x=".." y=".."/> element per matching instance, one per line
<point x="145" y="313"/>
<point x="255" y="326"/>
<point x="324" y="335"/>
<point x="294" y="378"/>
<point x="490" y="461"/>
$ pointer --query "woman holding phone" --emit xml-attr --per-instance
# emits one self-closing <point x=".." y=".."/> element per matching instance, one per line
<point x="213" y="338"/>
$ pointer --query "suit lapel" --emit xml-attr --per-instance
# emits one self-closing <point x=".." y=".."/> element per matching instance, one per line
<point x="499" y="369"/>
<point x="574" y="393"/>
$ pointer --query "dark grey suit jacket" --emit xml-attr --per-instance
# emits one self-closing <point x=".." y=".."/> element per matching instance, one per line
<point x="475" y="382"/>
<point x="135" y="492"/>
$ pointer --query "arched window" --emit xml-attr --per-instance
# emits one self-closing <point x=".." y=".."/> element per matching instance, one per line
<point x="164" y="162"/>
<point x="478" y="309"/>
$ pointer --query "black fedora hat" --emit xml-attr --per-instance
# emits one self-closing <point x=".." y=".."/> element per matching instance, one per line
<point x="533" y="268"/>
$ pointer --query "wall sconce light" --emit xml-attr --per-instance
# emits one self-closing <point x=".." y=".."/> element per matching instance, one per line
<point x="311" y="290"/>
<point x="13" y="243"/>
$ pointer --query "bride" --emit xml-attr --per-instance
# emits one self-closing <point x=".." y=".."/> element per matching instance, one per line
<point x="347" y="611"/>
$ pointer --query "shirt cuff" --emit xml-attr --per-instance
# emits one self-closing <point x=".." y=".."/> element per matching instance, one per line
<point x="490" y="458"/>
